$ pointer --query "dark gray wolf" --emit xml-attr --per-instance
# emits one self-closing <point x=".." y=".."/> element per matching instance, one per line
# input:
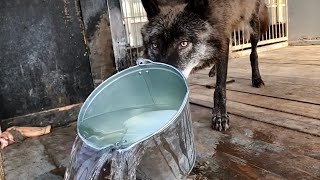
<point x="196" y="34"/>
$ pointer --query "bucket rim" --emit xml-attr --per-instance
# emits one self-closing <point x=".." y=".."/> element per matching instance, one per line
<point x="115" y="77"/>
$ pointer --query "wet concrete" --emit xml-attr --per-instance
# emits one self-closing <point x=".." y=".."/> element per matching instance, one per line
<point x="42" y="158"/>
<point x="27" y="160"/>
<point x="249" y="150"/>
<point x="253" y="150"/>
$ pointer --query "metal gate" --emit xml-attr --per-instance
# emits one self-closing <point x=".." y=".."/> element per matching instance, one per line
<point x="134" y="17"/>
<point x="278" y="31"/>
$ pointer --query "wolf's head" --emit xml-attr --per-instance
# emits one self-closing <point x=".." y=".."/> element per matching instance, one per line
<point x="179" y="35"/>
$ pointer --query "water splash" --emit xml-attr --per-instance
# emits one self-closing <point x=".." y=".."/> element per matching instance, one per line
<point x="89" y="157"/>
<point x="110" y="154"/>
<point x="86" y="162"/>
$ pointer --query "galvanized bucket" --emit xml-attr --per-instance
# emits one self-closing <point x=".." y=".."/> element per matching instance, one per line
<point x="143" y="114"/>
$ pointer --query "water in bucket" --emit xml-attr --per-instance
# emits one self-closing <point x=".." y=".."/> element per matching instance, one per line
<point x="126" y="109"/>
<point x="127" y="126"/>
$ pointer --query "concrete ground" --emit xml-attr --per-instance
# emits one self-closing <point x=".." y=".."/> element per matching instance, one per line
<point x="42" y="158"/>
<point x="249" y="150"/>
<point x="274" y="130"/>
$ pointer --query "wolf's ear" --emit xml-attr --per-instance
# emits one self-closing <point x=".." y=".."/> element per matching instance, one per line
<point x="151" y="7"/>
<point x="200" y="7"/>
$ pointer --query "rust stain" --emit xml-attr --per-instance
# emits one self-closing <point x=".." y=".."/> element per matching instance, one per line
<point x="67" y="16"/>
<point x="241" y="166"/>
<point x="269" y="138"/>
<point x="81" y="24"/>
<point x="101" y="52"/>
<point x="80" y="19"/>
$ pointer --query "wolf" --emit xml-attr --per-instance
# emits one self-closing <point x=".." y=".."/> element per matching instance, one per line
<point x="195" y="34"/>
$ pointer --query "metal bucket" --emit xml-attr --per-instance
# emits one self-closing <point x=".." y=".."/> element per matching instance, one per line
<point x="144" y="107"/>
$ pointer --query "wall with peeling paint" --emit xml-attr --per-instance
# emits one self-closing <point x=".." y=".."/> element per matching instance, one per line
<point x="44" y="60"/>
<point x="98" y="35"/>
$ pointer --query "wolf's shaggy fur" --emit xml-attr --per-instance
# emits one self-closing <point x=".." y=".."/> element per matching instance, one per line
<point x="195" y="34"/>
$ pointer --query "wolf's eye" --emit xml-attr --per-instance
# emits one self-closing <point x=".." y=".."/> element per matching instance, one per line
<point x="184" y="44"/>
<point x="154" y="45"/>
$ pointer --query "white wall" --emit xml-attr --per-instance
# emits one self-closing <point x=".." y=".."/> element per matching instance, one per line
<point x="304" y="22"/>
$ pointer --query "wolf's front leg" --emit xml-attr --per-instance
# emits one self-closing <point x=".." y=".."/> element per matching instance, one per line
<point x="220" y="120"/>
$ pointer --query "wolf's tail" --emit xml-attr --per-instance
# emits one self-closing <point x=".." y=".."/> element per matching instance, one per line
<point x="264" y="19"/>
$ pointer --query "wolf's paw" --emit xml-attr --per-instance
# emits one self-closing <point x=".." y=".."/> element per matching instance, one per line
<point x="257" y="82"/>
<point x="220" y="122"/>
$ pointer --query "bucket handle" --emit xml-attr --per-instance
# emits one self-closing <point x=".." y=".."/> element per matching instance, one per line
<point x="142" y="61"/>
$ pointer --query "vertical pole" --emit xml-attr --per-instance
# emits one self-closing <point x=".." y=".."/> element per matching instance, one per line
<point x="270" y="12"/>
<point x="118" y="33"/>
<point x="278" y="20"/>
<point x="287" y="20"/>
<point x="235" y="38"/>
<point x="272" y="21"/>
